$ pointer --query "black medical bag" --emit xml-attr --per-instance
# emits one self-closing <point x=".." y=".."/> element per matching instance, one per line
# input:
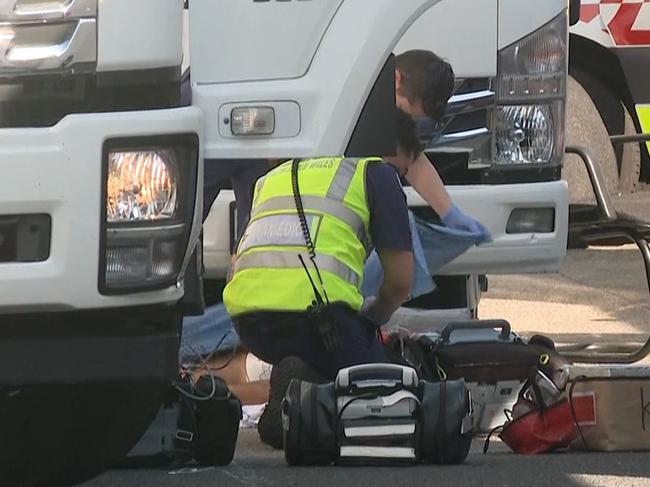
<point x="197" y="422"/>
<point x="377" y="414"/>
<point x="482" y="351"/>
<point x="494" y="361"/>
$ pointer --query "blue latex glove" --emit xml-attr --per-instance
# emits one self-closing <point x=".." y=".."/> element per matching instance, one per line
<point x="457" y="220"/>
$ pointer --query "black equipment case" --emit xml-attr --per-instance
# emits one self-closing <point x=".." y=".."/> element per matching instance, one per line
<point x="494" y="361"/>
<point x="377" y="414"/>
<point x="198" y="422"/>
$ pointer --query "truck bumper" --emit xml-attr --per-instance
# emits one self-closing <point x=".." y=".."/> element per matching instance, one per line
<point x="492" y="205"/>
<point x="57" y="171"/>
<point x="510" y="253"/>
<point x="93" y="346"/>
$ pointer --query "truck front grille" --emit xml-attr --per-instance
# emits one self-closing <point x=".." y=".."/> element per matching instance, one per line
<point x="467" y="127"/>
<point x="461" y="146"/>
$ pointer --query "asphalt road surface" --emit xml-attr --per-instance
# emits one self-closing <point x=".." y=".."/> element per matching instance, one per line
<point x="599" y="295"/>
<point x="257" y="465"/>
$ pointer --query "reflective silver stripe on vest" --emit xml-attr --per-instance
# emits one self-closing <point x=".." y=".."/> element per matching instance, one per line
<point x="317" y="203"/>
<point x="342" y="179"/>
<point x="278" y="230"/>
<point x="290" y="260"/>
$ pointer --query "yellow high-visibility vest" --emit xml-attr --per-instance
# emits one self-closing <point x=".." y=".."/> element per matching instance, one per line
<point x="269" y="274"/>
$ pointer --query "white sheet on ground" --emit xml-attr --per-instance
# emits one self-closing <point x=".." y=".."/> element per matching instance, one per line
<point x="251" y="415"/>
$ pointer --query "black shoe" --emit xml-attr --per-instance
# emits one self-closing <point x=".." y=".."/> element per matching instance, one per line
<point x="270" y="423"/>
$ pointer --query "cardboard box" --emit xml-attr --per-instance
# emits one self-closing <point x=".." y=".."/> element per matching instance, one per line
<point x="612" y="407"/>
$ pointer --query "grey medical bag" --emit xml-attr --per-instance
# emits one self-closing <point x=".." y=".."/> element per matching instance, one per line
<point x="377" y="414"/>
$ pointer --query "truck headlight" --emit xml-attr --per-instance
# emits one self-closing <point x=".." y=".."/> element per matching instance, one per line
<point x="142" y="185"/>
<point x="524" y="134"/>
<point x="531" y="92"/>
<point x="148" y="209"/>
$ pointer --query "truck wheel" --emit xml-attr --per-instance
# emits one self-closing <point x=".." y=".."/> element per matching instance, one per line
<point x="630" y="161"/>
<point x="617" y="120"/>
<point x="70" y="433"/>
<point x="585" y="127"/>
<point x="126" y="412"/>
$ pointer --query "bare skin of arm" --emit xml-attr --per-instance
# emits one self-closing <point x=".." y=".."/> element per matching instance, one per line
<point x="396" y="286"/>
<point x="424" y="178"/>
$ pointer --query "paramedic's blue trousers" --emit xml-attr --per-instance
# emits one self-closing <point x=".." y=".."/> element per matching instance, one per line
<point x="272" y="336"/>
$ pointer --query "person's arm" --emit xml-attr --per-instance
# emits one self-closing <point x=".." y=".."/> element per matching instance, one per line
<point x="390" y="232"/>
<point x="396" y="286"/>
<point x="424" y="178"/>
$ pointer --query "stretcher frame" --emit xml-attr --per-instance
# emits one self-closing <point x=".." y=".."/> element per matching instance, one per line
<point x="601" y="224"/>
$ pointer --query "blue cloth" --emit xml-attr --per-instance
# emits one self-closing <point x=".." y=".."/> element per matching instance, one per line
<point x="442" y="244"/>
<point x="422" y="282"/>
<point x="203" y="335"/>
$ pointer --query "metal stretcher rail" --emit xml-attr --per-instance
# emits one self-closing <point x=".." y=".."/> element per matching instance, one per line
<point x="605" y="226"/>
<point x="628" y="139"/>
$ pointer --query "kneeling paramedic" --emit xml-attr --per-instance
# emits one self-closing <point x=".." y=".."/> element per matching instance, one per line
<point x="295" y="291"/>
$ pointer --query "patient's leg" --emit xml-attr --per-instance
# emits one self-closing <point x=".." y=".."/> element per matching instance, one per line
<point x="245" y="374"/>
<point x="256" y="392"/>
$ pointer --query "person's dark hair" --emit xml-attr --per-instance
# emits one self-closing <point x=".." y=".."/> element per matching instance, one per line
<point x="407" y="135"/>
<point x="427" y="78"/>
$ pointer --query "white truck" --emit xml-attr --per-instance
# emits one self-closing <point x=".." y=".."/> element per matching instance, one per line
<point x="99" y="217"/>
<point x="322" y="72"/>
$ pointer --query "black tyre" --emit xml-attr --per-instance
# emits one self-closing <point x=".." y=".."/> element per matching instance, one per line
<point x="60" y="435"/>
<point x="617" y="120"/>
<point x="586" y="128"/>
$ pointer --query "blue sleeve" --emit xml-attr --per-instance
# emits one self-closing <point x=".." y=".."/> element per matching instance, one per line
<point x="389" y="220"/>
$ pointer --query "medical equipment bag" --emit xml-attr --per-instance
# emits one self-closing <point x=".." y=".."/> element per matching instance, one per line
<point x="377" y="414"/>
